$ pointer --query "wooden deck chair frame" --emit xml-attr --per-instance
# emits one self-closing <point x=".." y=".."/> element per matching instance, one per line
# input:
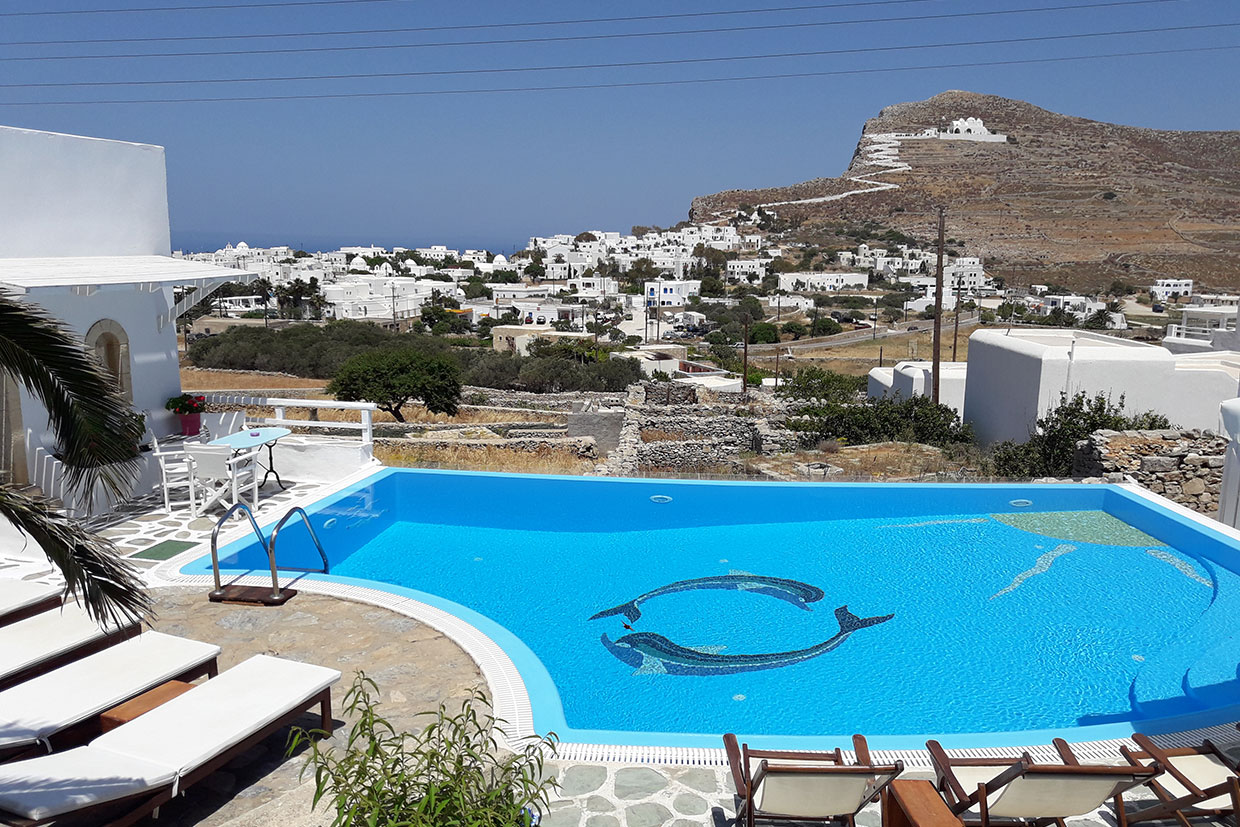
<point x="38" y="607"/>
<point x="124" y="812"/>
<point x="828" y="763"/>
<point x="1009" y="769"/>
<point x="1183" y="807"/>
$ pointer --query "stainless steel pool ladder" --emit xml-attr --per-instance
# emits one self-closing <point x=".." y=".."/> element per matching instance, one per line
<point x="269" y="545"/>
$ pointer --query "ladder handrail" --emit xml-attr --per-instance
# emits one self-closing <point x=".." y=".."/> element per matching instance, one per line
<point x="215" y="559"/>
<point x="275" y="532"/>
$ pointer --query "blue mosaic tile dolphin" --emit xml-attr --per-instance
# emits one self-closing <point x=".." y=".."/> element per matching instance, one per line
<point x="653" y="654"/>
<point x="790" y="591"/>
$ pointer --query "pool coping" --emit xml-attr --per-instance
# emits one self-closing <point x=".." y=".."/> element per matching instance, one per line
<point x="511" y="701"/>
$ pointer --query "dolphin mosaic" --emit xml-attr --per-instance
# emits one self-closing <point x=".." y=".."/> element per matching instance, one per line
<point x="790" y="591"/>
<point x="653" y="654"/>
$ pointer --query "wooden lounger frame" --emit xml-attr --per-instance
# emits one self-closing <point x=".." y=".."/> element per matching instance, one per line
<point x="85" y="730"/>
<point x="739" y="756"/>
<point x="127" y="811"/>
<point x="37" y="608"/>
<point x="1185" y="806"/>
<point x="90" y="647"/>
<point x="961" y="800"/>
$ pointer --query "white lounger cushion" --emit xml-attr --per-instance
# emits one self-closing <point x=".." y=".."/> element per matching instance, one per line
<point x="42" y="706"/>
<point x="16" y="595"/>
<point x="54" y="784"/>
<point x="193" y="728"/>
<point x="38" y="638"/>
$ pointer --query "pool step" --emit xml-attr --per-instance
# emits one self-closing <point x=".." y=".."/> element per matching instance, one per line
<point x="1178" y="679"/>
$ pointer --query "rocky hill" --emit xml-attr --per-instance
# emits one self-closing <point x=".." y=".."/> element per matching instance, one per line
<point x="1065" y="199"/>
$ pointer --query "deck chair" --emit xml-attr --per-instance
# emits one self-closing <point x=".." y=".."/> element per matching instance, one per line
<point x="984" y="791"/>
<point x="805" y="786"/>
<point x="174" y="470"/>
<point x="20" y="599"/>
<point x="129" y="772"/>
<point x="48" y="640"/>
<point x="1198" y="781"/>
<point x="62" y="707"/>
<point x="216" y="474"/>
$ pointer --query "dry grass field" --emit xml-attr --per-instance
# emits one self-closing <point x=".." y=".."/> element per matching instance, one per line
<point x="858" y="358"/>
<point x="471" y="458"/>
<point x="198" y="379"/>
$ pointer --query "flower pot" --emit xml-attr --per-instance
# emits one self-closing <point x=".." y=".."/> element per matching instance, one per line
<point x="190" y="424"/>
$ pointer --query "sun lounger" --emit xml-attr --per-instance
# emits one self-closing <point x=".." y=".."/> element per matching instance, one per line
<point x="127" y="773"/>
<point x="20" y="599"/>
<point x="1018" y="791"/>
<point x="805" y="786"/>
<point x="61" y="708"/>
<point x="50" y="639"/>
<point x="1197" y="781"/>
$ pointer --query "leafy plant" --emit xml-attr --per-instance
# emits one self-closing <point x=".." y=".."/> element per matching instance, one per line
<point x="452" y="772"/>
<point x="1050" y="448"/>
<point x="392" y="378"/>
<point x="885" y="419"/>
<point x="817" y="383"/>
<point x="186" y="404"/>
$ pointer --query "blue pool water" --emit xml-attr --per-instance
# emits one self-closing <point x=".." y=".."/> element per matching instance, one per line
<point x="716" y="607"/>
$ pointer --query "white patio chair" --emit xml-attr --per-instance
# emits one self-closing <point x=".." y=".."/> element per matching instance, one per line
<point x="223" y="424"/>
<point x="217" y="474"/>
<point x="174" y="471"/>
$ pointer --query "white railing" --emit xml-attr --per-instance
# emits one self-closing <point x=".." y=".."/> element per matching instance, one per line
<point x="1199" y="332"/>
<point x="366" y="410"/>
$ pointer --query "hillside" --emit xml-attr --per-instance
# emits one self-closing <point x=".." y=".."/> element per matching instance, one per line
<point x="1066" y="199"/>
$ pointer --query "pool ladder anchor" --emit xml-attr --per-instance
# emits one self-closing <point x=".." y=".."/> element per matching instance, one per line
<point x="260" y="595"/>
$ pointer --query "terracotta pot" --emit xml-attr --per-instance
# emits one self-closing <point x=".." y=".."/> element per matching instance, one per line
<point x="190" y="424"/>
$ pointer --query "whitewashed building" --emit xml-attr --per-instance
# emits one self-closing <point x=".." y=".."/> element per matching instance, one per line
<point x="822" y="282"/>
<point x="670" y="293"/>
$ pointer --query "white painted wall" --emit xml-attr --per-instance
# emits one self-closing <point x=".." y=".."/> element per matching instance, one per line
<point x="65" y="195"/>
<point x="908" y="379"/>
<point x="1016" y="376"/>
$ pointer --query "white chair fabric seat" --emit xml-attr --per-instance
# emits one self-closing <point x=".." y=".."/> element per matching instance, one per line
<point x="40" y="707"/>
<point x="190" y="729"/>
<point x="52" y="785"/>
<point x="1203" y="770"/>
<point x="1040" y="795"/>
<point x="16" y="595"/>
<point x="35" y="639"/>
<point x="808" y="795"/>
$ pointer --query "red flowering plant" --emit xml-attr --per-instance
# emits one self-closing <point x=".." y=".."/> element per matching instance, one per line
<point x="186" y="404"/>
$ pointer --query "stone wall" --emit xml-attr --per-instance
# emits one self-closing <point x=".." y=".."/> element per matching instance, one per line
<point x="494" y="398"/>
<point x="581" y="446"/>
<point x="1185" y="466"/>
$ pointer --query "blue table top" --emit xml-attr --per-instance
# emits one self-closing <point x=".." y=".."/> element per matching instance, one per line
<point x="245" y="439"/>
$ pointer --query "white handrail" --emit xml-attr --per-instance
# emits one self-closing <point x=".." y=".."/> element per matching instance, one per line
<point x="365" y="410"/>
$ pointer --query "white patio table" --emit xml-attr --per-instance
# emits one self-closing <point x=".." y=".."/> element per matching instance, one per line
<point x="253" y="437"/>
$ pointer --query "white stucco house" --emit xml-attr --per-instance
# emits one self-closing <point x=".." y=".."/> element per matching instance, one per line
<point x="670" y="293"/>
<point x="916" y="378"/>
<point x="84" y="234"/>
<point x="1165" y="289"/>
<point x="821" y="282"/>
<point x="1016" y="376"/>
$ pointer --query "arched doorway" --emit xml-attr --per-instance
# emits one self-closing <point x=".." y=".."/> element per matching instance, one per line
<point x="108" y="341"/>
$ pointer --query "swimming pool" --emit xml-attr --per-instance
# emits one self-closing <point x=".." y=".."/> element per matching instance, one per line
<point x="668" y="612"/>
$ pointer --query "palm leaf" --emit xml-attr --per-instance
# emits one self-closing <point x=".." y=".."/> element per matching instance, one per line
<point x="94" y="425"/>
<point x="106" y="584"/>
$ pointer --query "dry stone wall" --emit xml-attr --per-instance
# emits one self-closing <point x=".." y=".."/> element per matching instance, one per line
<point x="1185" y="466"/>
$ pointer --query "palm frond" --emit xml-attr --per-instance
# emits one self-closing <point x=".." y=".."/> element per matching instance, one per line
<point x="107" y="585"/>
<point x="93" y="423"/>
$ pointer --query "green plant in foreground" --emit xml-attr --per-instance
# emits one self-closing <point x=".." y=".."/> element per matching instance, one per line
<point x="453" y="772"/>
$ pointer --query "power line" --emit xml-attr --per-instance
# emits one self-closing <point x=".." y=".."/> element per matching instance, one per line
<point x="610" y="36"/>
<point x="463" y="27"/>
<point x="632" y="84"/>
<point x="195" y="8"/>
<point x="624" y="64"/>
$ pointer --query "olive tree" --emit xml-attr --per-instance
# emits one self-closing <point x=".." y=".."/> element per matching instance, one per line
<point x="393" y="378"/>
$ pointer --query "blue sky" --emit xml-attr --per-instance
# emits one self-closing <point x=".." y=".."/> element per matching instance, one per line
<point x="492" y="169"/>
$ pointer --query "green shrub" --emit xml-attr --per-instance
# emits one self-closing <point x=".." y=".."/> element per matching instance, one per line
<point x="881" y="420"/>
<point x="453" y="772"/>
<point x="393" y="378"/>
<point x="1049" y="450"/>
<point x="763" y="333"/>
<point x="817" y="383"/>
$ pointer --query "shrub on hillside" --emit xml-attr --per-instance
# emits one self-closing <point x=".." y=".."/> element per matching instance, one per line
<point x="881" y="420"/>
<point x="816" y="383"/>
<point x="393" y="378"/>
<point x="1049" y="450"/>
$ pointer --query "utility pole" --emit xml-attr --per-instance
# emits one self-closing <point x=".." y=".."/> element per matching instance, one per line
<point x="395" y="323"/>
<point x="938" y="313"/>
<point x="777" y="361"/>
<point x="745" y="361"/>
<point x="956" y="325"/>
